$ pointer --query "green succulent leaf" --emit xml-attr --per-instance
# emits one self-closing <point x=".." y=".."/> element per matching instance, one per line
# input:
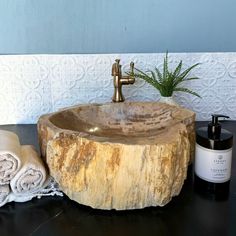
<point x="159" y="75"/>
<point x="183" y="75"/>
<point x="178" y="69"/>
<point x="165" y="68"/>
<point x="192" y="78"/>
<point x="153" y="75"/>
<point x="186" y="90"/>
<point x="167" y="82"/>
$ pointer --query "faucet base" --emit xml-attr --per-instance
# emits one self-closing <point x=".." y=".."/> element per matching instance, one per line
<point x="118" y="96"/>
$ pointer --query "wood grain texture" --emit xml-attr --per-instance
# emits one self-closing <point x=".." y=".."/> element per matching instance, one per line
<point x="119" y="156"/>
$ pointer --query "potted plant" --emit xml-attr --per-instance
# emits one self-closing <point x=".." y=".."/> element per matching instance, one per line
<point x="168" y="81"/>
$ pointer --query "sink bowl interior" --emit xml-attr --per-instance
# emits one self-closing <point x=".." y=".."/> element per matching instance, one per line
<point x="117" y="121"/>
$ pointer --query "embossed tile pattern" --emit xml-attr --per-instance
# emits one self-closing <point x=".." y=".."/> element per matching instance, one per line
<point x="32" y="85"/>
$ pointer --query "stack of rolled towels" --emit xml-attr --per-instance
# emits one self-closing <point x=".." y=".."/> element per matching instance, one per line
<point x="22" y="172"/>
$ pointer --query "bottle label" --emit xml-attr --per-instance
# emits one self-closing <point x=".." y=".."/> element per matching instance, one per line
<point x="213" y="165"/>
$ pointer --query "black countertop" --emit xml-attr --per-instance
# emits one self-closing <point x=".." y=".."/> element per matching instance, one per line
<point x="187" y="214"/>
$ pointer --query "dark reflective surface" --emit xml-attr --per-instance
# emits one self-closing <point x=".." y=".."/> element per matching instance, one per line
<point x="187" y="214"/>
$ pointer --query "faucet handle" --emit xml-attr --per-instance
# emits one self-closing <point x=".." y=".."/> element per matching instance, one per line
<point x="117" y="61"/>
<point x="116" y="68"/>
<point x="132" y="67"/>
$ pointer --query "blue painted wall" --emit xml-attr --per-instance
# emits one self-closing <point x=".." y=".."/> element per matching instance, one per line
<point x="108" y="26"/>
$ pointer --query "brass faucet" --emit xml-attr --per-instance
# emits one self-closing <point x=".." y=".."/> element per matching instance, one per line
<point x="119" y="80"/>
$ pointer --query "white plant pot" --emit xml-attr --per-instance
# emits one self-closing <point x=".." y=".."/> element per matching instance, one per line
<point x="169" y="100"/>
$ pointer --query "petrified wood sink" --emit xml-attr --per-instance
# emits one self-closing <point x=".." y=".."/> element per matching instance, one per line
<point x="119" y="155"/>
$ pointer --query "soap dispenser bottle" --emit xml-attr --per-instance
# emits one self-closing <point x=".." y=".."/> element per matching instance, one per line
<point x="213" y="156"/>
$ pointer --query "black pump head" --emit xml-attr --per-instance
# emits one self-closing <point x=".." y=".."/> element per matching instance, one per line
<point x="214" y="127"/>
<point x="215" y="118"/>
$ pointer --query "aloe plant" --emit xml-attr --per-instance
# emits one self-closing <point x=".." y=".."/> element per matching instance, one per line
<point x="168" y="81"/>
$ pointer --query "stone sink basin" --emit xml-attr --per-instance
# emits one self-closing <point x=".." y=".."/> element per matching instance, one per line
<point x="119" y="155"/>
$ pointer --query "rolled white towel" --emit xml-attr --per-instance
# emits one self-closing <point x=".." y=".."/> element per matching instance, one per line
<point x="4" y="193"/>
<point x="10" y="156"/>
<point x="50" y="188"/>
<point x="32" y="174"/>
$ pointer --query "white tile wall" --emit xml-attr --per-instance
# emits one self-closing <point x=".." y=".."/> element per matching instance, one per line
<point x="31" y="85"/>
